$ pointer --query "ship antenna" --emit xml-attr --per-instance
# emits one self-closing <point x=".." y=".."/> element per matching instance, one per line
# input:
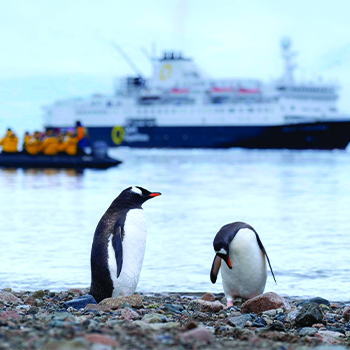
<point x="288" y="55"/>
<point x="127" y="59"/>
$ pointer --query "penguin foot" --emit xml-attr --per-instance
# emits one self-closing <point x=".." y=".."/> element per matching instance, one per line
<point x="229" y="303"/>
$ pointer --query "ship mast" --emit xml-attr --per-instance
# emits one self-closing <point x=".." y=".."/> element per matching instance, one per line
<point x="289" y="65"/>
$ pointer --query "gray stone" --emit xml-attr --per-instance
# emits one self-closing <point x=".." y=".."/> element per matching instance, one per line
<point x="310" y="331"/>
<point x="240" y="321"/>
<point x="154" y="318"/>
<point x="309" y="315"/>
<point x="156" y="326"/>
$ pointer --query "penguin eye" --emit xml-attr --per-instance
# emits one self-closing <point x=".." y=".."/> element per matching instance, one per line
<point x="136" y="190"/>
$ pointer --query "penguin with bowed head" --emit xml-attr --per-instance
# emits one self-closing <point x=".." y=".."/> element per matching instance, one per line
<point x="244" y="272"/>
<point x="119" y="245"/>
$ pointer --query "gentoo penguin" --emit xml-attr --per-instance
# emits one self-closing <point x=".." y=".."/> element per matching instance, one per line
<point x="244" y="272"/>
<point x="119" y="245"/>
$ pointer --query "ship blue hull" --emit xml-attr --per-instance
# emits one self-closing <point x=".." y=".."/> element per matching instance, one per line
<point x="323" y="135"/>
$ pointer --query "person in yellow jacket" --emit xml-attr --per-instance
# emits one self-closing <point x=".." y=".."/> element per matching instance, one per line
<point x="9" y="142"/>
<point x="50" y="144"/>
<point x="32" y="144"/>
<point x="69" y="144"/>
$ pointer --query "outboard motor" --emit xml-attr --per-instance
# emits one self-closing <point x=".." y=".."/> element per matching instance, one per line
<point x="99" y="149"/>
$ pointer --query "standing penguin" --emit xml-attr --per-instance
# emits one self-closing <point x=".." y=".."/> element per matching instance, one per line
<point x="119" y="245"/>
<point x="244" y="272"/>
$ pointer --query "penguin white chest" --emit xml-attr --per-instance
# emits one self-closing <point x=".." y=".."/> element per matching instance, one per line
<point x="247" y="278"/>
<point x="134" y="245"/>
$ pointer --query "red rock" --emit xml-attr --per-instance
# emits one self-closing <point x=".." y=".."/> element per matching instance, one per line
<point x="198" y="334"/>
<point x="346" y="314"/>
<point x="318" y="326"/>
<point x="30" y="301"/>
<point x="97" y="338"/>
<point x="8" y="297"/>
<point x="208" y="297"/>
<point x="264" y="302"/>
<point x="5" y="315"/>
<point x="135" y="301"/>
<point x="205" y="306"/>
<point x="129" y="314"/>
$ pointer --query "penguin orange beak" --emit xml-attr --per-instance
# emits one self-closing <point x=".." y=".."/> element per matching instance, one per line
<point x="226" y="258"/>
<point x="154" y="194"/>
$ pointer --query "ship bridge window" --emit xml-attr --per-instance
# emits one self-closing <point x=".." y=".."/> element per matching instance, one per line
<point x="232" y="110"/>
<point x="109" y="104"/>
<point x="250" y="109"/>
<point x="292" y="108"/>
<point x="332" y="109"/>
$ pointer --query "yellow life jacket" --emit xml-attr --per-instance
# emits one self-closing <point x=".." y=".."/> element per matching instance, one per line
<point x="9" y="143"/>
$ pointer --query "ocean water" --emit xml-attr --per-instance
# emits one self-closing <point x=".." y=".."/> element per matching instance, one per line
<point x="298" y="202"/>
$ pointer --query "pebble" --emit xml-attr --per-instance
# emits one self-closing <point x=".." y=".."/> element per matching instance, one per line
<point x="134" y="301"/>
<point x="240" y="321"/>
<point x="264" y="302"/>
<point x="308" y="315"/>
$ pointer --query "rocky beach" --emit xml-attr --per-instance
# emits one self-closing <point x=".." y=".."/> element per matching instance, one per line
<point x="73" y="320"/>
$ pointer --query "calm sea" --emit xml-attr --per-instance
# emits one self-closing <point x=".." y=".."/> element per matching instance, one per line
<point x="298" y="202"/>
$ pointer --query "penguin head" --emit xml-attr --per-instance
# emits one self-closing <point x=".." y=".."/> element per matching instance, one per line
<point x="135" y="196"/>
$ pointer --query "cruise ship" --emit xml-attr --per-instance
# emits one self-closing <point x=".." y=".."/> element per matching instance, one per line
<point x="180" y="107"/>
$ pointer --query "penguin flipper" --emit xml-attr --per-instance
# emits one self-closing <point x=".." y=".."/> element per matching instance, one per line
<point x="264" y="251"/>
<point x="118" y="249"/>
<point x="215" y="269"/>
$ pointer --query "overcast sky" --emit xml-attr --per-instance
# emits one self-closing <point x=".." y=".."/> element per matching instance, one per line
<point x="227" y="38"/>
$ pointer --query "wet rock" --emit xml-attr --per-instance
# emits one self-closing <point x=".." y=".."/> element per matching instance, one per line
<point x="8" y="297"/>
<point x="310" y="331"/>
<point x="208" y="297"/>
<point x="6" y="315"/>
<point x="38" y="294"/>
<point x="308" y="315"/>
<point x="80" y="302"/>
<point x="205" y="306"/>
<point x="316" y="300"/>
<point x="198" y="334"/>
<point x="259" y="322"/>
<point x="264" y="302"/>
<point x="135" y="301"/>
<point x="96" y="338"/>
<point x="154" y="318"/>
<point x="173" y="308"/>
<point x="346" y="314"/>
<point x="240" y="321"/>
